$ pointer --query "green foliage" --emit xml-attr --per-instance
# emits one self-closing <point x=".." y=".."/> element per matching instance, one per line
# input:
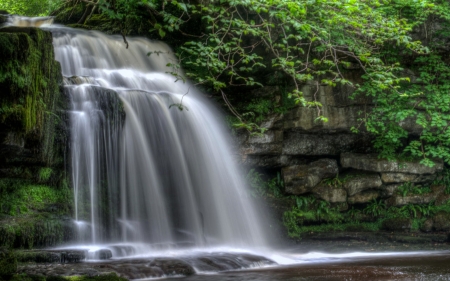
<point x="29" y="7"/>
<point x="375" y="208"/>
<point x="409" y="188"/>
<point x="443" y="178"/>
<point x="23" y="197"/>
<point x="45" y="174"/>
<point x="261" y="187"/>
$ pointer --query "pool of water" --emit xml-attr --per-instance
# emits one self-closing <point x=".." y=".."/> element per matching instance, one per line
<point x="431" y="266"/>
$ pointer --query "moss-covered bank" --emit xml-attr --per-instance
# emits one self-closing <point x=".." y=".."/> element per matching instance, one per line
<point x="35" y="200"/>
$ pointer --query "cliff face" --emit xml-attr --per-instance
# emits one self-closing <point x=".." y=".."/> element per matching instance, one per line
<point x="34" y="193"/>
<point x="331" y="163"/>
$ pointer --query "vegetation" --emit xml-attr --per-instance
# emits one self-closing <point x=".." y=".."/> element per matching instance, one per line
<point x="29" y="7"/>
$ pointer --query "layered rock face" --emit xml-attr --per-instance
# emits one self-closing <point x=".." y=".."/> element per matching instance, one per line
<point x="328" y="159"/>
<point x="35" y="199"/>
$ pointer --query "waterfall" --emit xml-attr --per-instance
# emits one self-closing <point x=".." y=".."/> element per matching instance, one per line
<point x="150" y="157"/>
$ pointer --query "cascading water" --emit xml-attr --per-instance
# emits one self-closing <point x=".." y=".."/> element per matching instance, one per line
<point x="142" y="169"/>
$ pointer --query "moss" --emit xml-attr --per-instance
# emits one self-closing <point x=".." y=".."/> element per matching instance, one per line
<point x="38" y="230"/>
<point x="44" y="174"/>
<point x="8" y="264"/>
<point x="18" y="196"/>
<point x="30" y="82"/>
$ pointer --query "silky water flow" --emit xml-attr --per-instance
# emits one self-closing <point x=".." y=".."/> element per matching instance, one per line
<point x="149" y="156"/>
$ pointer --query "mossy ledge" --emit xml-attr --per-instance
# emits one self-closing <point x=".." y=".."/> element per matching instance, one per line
<point x="35" y="199"/>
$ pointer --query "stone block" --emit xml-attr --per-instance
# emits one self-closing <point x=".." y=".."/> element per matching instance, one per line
<point x="301" y="179"/>
<point x="330" y="193"/>
<point x="299" y="143"/>
<point x="358" y="183"/>
<point x="363" y="197"/>
<point x="370" y="162"/>
<point x="402" y="177"/>
<point x="399" y="200"/>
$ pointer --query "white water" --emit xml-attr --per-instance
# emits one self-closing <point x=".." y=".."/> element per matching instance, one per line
<point x="144" y="171"/>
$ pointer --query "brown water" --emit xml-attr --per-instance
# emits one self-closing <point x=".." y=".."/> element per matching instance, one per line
<point x="432" y="266"/>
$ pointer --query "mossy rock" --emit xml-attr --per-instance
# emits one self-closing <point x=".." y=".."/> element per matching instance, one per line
<point x="30" y="80"/>
<point x="8" y="264"/>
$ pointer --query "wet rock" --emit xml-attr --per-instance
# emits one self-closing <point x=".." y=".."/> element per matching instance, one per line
<point x="358" y="183"/>
<point x="173" y="266"/>
<point x="102" y="254"/>
<point x="363" y="197"/>
<point x="37" y="256"/>
<point x="8" y="264"/>
<point x="397" y="224"/>
<point x="330" y="193"/>
<point x="402" y="177"/>
<point x="72" y="256"/>
<point x="441" y="221"/>
<point x="370" y="162"/>
<point x="300" y="179"/>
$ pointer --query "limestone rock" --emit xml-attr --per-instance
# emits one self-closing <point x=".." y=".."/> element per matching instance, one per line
<point x="363" y="197"/>
<point x="402" y="177"/>
<point x="267" y="137"/>
<point x="299" y="143"/>
<point x="362" y="182"/>
<point x="441" y="221"/>
<point x="330" y="193"/>
<point x="370" y="162"/>
<point x="301" y="179"/>
<point x="262" y="149"/>
<point x="397" y="224"/>
<point x="399" y="200"/>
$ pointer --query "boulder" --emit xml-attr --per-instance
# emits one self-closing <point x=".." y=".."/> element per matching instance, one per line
<point x="301" y="179"/>
<point x="441" y="221"/>
<point x="397" y="224"/>
<point x="370" y="162"/>
<point x="402" y="177"/>
<point x="330" y="193"/>
<point x="358" y="183"/>
<point x="363" y="197"/>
